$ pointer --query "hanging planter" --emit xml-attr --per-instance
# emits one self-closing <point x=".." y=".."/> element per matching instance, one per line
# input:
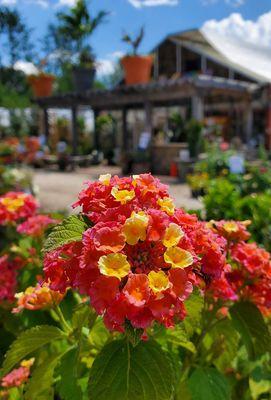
<point x="42" y="84"/>
<point x="137" y="69"/>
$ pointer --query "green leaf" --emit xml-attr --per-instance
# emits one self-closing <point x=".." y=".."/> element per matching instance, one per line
<point x="249" y="322"/>
<point x="70" y="230"/>
<point x="29" y="341"/>
<point x="133" y="334"/>
<point x="194" y="306"/>
<point x="40" y="385"/>
<point x="124" y="372"/>
<point x="81" y="314"/>
<point x="68" y="387"/>
<point x="176" y="337"/>
<point x="208" y="383"/>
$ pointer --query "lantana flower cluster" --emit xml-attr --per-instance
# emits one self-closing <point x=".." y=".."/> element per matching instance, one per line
<point x="18" y="376"/>
<point x="141" y="256"/>
<point x="18" y="212"/>
<point x="247" y="275"/>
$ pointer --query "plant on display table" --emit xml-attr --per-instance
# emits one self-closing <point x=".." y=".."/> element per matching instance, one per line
<point x="137" y="68"/>
<point x="158" y="305"/>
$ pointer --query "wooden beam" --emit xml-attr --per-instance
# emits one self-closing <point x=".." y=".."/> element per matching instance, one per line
<point x="46" y="124"/>
<point x="148" y="116"/>
<point x="74" y="131"/>
<point x="248" y="122"/>
<point x="156" y="65"/>
<point x="125" y="138"/>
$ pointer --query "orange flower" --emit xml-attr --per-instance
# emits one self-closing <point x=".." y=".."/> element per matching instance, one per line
<point x="137" y="290"/>
<point x="114" y="265"/>
<point x="39" y="297"/>
<point x="135" y="228"/>
<point x="178" y="258"/>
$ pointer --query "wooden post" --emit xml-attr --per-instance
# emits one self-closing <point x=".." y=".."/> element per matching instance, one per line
<point x="46" y="124"/>
<point x="125" y="139"/>
<point x="179" y="59"/>
<point x="156" y="65"/>
<point x="203" y="64"/>
<point x="96" y="141"/>
<point x="268" y="120"/>
<point x="74" y="131"/>
<point x="248" y="114"/>
<point x="197" y="107"/>
<point x="148" y="117"/>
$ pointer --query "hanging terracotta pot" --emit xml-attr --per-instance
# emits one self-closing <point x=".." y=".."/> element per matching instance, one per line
<point x="42" y="84"/>
<point x="137" y="69"/>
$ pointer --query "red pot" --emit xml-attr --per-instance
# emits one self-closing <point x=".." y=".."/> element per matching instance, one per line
<point x="137" y="69"/>
<point x="42" y="85"/>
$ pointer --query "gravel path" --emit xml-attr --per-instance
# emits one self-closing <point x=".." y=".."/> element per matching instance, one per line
<point x="58" y="190"/>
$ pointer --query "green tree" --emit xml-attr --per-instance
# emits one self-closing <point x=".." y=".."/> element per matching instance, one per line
<point x="14" y="37"/>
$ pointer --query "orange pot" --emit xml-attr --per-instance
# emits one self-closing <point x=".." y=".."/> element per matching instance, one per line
<point x="42" y="85"/>
<point x="137" y="69"/>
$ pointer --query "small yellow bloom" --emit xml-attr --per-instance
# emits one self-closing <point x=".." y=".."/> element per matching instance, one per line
<point x="178" y="258"/>
<point x="135" y="227"/>
<point x="114" y="264"/>
<point x="123" y="196"/>
<point x="13" y="205"/>
<point x="173" y="235"/>
<point x="166" y="204"/>
<point x="158" y="281"/>
<point x="28" y="363"/>
<point x="230" y="227"/>
<point x="134" y="182"/>
<point x="105" y="179"/>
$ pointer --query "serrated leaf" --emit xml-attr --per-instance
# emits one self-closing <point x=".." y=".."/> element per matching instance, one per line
<point x="208" y="383"/>
<point x="29" y="341"/>
<point x="40" y="385"/>
<point x="249" y="322"/>
<point x="70" y="230"/>
<point x="124" y="372"/>
<point x="68" y="387"/>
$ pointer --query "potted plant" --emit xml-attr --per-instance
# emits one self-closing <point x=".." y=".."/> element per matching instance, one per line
<point x="84" y="71"/>
<point x="137" y="68"/>
<point x="41" y="82"/>
<point x="74" y="31"/>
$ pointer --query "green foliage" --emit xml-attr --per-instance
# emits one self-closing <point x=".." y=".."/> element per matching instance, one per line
<point x="68" y="387"/>
<point x="134" y="42"/>
<point x="29" y="341"/>
<point x="248" y="321"/>
<point x="41" y="384"/>
<point x="70" y="230"/>
<point x="208" y="383"/>
<point x="123" y="372"/>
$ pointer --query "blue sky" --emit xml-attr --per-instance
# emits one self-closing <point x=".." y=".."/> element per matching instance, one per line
<point x="159" y="17"/>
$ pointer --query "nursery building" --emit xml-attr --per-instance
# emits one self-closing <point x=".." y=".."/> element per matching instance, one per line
<point x="221" y="82"/>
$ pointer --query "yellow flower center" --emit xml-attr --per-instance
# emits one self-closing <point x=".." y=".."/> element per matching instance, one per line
<point x="230" y="227"/>
<point x="172" y="235"/>
<point x="13" y="205"/>
<point x="166" y="204"/>
<point x="135" y="227"/>
<point x="114" y="265"/>
<point x="105" y="179"/>
<point x="123" y="196"/>
<point x="178" y="258"/>
<point x="158" y="281"/>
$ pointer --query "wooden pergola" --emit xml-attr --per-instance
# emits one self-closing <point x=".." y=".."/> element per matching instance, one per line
<point x="201" y="92"/>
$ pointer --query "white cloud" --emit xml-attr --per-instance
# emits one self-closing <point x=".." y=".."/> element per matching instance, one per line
<point x="235" y="26"/>
<point x="7" y="2"/>
<point x="68" y="3"/>
<point x="27" y="67"/>
<point x="106" y="66"/>
<point x="232" y="3"/>
<point x="153" y="3"/>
